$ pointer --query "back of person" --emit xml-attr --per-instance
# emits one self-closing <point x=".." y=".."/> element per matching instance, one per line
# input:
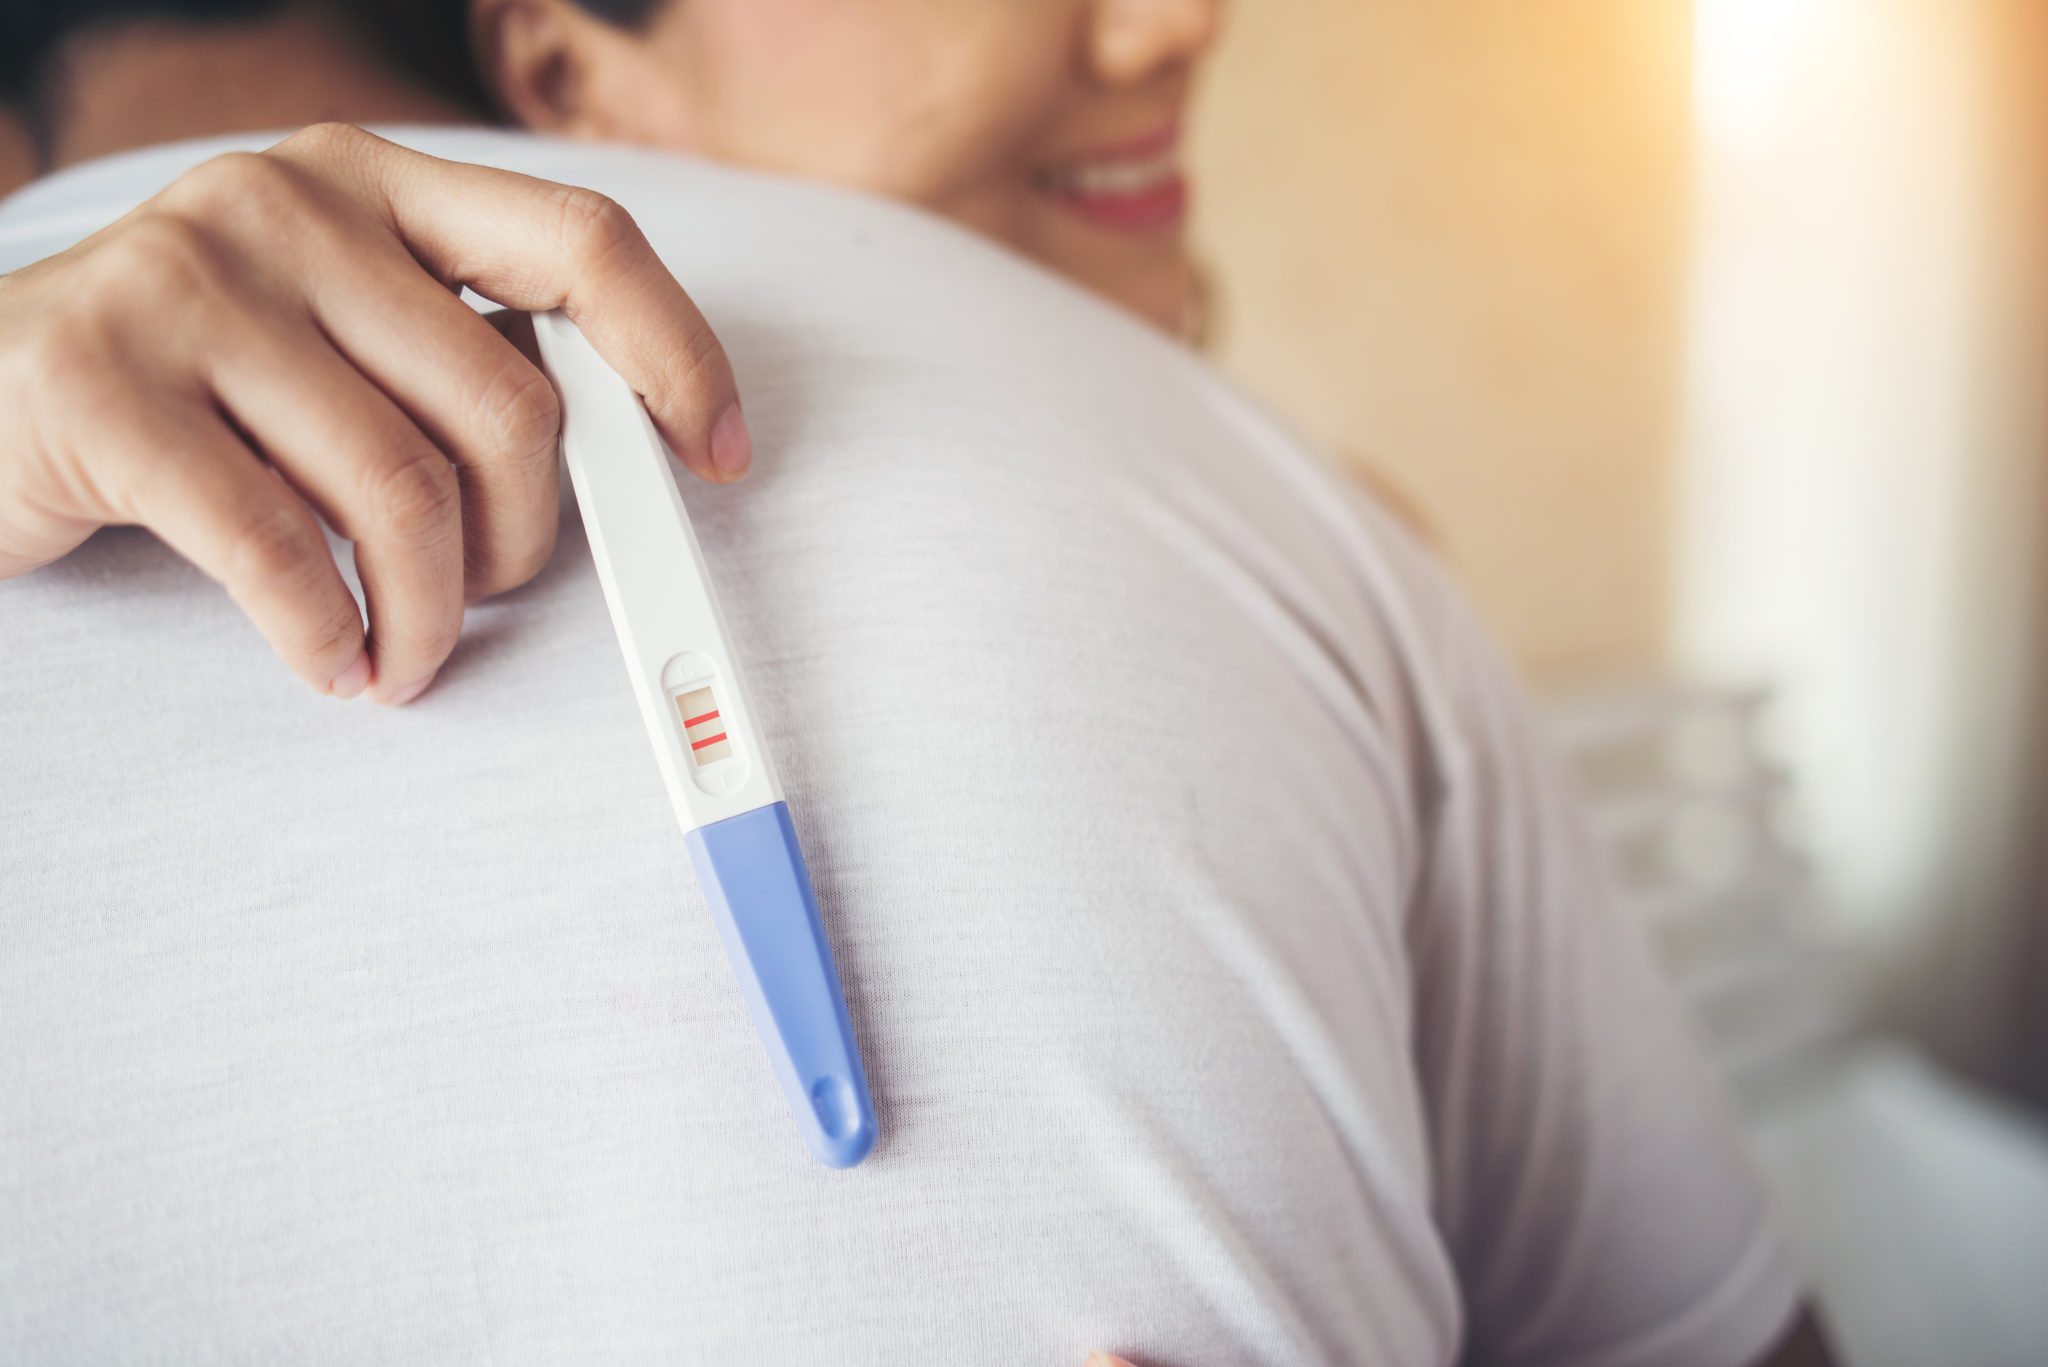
<point x="1232" y="985"/>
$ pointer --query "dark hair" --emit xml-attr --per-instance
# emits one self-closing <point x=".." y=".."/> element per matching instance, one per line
<point x="426" y="39"/>
<point x="624" y="13"/>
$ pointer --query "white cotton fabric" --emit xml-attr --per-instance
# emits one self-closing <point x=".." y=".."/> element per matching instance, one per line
<point x="1233" y="977"/>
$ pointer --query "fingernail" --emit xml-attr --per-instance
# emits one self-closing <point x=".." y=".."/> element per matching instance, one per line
<point x="408" y="693"/>
<point x="732" y="448"/>
<point x="352" y="680"/>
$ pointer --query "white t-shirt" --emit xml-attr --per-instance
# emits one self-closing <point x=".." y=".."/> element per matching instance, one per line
<point x="1233" y="977"/>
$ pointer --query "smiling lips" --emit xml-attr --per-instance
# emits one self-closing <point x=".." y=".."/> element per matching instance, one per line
<point x="1135" y="187"/>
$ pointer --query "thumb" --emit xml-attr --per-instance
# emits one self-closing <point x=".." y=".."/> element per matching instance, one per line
<point x="1101" y="1359"/>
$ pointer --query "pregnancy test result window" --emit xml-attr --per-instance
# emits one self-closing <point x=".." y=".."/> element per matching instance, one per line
<point x="706" y="733"/>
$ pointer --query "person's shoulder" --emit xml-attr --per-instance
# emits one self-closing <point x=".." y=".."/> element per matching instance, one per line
<point x="43" y="214"/>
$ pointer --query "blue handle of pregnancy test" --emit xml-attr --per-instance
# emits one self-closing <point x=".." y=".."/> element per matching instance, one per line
<point x="753" y="874"/>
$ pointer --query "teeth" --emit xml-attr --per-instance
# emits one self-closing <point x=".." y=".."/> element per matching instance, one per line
<point x="1117" y="178"/>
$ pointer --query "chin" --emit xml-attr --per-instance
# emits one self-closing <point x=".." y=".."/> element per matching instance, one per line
<point x="1161" y="291"/>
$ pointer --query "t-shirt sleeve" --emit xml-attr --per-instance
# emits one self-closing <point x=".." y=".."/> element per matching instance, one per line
<point x="1587" y="1179"/>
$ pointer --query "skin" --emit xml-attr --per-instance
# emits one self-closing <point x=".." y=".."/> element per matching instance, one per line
<point x="967" y="107"/>
<point x="17" y="154"/>
<point x="275" y="335"/>
<point x="113" y="87"/>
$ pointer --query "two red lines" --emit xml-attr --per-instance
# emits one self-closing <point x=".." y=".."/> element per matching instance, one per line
<point x="689" y="722"/>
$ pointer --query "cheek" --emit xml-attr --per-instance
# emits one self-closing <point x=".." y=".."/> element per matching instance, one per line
<point x="934" y="101"/>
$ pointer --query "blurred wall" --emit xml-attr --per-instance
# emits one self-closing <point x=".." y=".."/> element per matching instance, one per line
<point x="1449" y="238"/>
<point x="1980" y="989"/>
<point x="1864" y="489"/>
<point x="2019" y="1020"/>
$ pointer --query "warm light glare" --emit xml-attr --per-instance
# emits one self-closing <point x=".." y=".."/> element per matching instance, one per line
<point x="1835" y="538"/>
<point x="1745" y="54"/>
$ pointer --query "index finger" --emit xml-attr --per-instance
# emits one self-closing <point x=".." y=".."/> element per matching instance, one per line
<point x="532" y="244"/>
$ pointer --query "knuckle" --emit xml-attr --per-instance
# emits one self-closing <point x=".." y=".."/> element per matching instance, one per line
<point x="595" y="229"/>
<point x="333" y="152"/>
<point x="73" y="358"/>
<point x="337" y="636"/>
<point x="703" y="361"/>
<point x="425" y="644"/>
<point x="240" y="184"/>
<point x="508" y="568"/>
<point x="329" y="139"/>
<point x="417" y="495"/>
<point x="427" y="640"/>
<point x="698" y="374"/>
<point x="517" y="417"/>
<point x="159" y="256"/>
<point x="520" y="413"/>
<point x="278" y="547"/>
<point x="58" y="356"/>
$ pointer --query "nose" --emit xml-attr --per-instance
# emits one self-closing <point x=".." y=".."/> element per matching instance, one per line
<point x="1130" y="41"/>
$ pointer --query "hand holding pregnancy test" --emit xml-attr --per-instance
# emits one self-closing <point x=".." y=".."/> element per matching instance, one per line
<point x="707" y="743"/>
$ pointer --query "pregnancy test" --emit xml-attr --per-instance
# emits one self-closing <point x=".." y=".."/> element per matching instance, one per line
<point x="706" y="740"/>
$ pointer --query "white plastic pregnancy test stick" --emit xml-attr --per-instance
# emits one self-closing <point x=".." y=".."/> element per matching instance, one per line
<point x="701" y="720"/>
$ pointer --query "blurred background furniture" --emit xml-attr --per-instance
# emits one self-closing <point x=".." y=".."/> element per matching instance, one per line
<point x="1917" y="1202"/>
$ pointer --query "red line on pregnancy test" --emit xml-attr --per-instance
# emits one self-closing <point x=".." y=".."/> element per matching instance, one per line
<point x="708" y="716"/>
<point x="708" y="740"/>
